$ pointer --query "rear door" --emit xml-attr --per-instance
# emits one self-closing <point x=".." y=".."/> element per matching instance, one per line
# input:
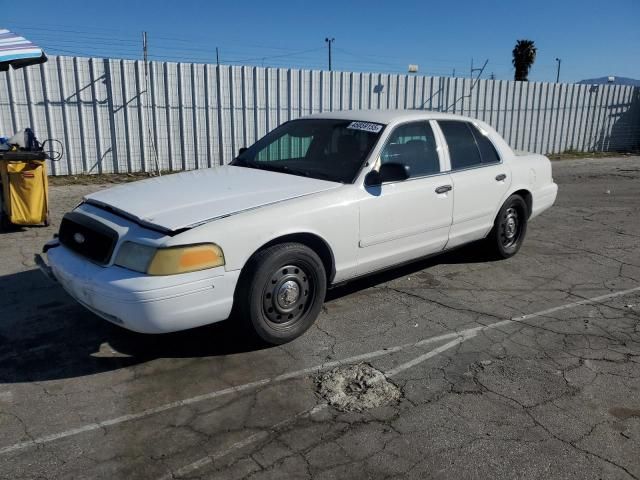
<point x="407" y="219"/>
<point x="480" y="180"/>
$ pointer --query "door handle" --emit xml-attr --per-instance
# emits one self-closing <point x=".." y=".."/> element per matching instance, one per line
<point x="501" y="177"/>
<point x="443" y="188"/>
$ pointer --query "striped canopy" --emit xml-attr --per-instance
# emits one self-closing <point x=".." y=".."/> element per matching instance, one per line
<point x="18" y="52"/>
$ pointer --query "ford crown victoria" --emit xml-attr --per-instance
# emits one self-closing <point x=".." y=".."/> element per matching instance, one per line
<point x="318" y="201"/>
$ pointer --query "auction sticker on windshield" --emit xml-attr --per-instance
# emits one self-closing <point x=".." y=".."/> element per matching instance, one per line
<point x="366" y="126"/>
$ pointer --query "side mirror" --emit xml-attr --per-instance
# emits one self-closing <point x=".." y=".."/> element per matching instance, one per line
<point x="389" y="172"/>
<point x="242" y="150"/>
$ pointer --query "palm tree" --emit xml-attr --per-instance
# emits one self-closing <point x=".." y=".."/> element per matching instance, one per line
<point x="524" y="54"/>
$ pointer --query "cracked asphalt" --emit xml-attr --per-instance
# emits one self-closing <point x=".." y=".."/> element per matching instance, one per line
<point x="522" y="368"/>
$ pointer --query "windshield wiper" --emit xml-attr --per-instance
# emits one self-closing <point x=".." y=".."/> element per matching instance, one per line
<point x="283" y="169"/>
<point x="307" y="173"/>
<point x="321" y="176"/>
<point x="241" y="162"/>
<point x="275" y="168"/>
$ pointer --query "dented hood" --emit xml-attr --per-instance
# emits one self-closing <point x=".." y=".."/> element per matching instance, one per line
<point x="184" y="200"/>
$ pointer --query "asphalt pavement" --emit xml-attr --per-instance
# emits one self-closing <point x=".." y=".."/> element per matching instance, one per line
<point x="470" y="368"/>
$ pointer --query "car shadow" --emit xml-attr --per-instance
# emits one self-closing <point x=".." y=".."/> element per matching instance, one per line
<point x="470" y="253"/>
<point x="46" y="335"/>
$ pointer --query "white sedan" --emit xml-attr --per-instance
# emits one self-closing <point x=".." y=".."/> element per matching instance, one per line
<point x="316" y="202"/>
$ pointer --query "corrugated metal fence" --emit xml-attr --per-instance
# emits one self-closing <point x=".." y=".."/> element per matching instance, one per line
<point x="111" y="117"/>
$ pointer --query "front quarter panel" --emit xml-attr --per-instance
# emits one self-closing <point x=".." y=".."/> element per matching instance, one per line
<point x="330" y="215"/>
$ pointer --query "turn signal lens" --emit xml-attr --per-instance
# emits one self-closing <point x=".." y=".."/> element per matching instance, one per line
<point x="169" y="261"/>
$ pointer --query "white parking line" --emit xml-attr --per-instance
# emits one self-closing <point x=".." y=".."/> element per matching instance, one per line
<point x="459" y="337"/>
<point x="472" y="332"/>
<point x="256" y="437"/>
<point x="215" y="394"/>
<point x="422" y="358"/>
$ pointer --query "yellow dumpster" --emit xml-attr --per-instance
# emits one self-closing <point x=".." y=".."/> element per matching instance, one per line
<point x="25" y="191"/>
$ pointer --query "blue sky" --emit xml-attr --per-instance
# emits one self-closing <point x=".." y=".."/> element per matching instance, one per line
<point x="593" y="38"/>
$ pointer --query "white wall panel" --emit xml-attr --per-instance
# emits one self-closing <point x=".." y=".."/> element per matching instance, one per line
<point x="112" y="116"/>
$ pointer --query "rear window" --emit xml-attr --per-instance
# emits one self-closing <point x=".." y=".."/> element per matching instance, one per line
<point x="463" y="149"/>
<point x="468" y="146"/>
<point x="487" y="150"/>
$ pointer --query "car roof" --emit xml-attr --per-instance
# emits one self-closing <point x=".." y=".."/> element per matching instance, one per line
<point x="387" y="116"/>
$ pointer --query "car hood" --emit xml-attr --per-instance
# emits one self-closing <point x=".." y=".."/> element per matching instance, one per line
<point x="184" y="200"/>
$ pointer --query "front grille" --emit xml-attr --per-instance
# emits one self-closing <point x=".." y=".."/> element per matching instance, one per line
<point x="87" y="237"/>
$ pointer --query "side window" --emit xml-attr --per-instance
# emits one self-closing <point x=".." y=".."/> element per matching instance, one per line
<point x="487" y="150"/>
<point x="413" y="144"/>
<point x="463" y="150"/>
<point x="285" y="148"/>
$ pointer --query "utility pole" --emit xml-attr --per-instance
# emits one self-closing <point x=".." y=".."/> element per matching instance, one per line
<point x="145" y="53"/>
<point x="492" y="76"/>
<point x="473" y="85"/>
<point x="217" y="57"/>
<point x="145" y="98"/>
<point x="559" y="60"/>
<point x="329" y="42"/>
<point x="475" y="69"/>
<point x="454" y="72"/>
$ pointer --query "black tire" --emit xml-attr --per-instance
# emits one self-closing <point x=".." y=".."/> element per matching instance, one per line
<point x="280" y="292"/>
<point x="509" y="228"/>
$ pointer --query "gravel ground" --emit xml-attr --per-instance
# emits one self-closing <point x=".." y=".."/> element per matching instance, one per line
<point x="523" y="368"/>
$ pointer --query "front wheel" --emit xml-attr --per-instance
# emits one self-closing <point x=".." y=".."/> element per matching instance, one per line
<point x="509" y="228"/>
<point x="281" y="292"/>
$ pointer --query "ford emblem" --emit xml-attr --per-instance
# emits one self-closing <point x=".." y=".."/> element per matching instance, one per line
<point x="78" y="238"/>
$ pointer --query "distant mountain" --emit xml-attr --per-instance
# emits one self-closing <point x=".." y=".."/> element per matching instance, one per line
<point x="616" y="81"/>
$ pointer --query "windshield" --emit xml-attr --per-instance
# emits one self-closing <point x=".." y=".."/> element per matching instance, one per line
<point x="318" y="148"/>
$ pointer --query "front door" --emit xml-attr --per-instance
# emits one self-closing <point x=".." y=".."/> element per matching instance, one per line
<point x="404" y="220"/>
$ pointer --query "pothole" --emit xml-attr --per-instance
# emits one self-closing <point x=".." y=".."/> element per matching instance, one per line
<point x="357" y="388"/>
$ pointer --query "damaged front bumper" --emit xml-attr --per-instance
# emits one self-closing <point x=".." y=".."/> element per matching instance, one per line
<point x="42" y="264"/>
<point x="138" y="302"/>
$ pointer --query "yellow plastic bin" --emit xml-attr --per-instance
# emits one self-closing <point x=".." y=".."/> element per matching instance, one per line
<point x="25" y="188"/>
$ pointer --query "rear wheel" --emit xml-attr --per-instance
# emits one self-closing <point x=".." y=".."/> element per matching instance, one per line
<point x="509" y="228"/>
<point x="281" y="292"/>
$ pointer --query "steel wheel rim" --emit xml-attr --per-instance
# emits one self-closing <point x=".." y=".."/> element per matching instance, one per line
<point x="510" y="227"/>
<point x="288" y="294"/>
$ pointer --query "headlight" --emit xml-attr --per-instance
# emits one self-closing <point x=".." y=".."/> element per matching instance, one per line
<point x="171" y="260"/>
<point x="135" y="256"/>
